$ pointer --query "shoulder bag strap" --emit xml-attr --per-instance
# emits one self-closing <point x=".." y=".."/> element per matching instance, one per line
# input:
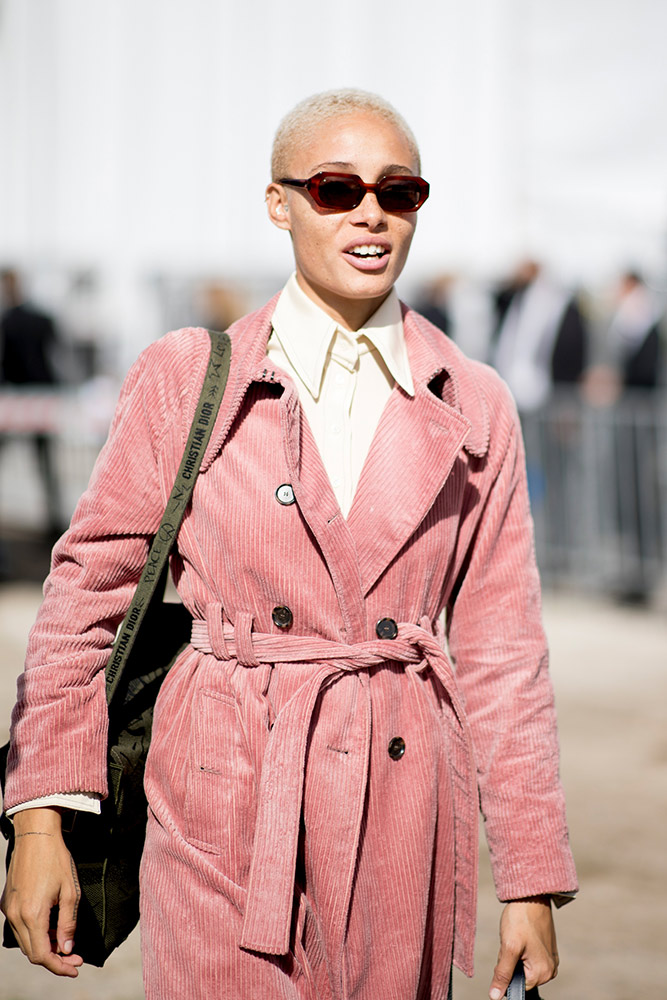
<point x="200" y="432"/>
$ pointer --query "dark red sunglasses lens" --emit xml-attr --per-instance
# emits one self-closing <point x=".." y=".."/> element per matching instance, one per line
<point x="400" y="195"/>
<point x="339" y="192"/>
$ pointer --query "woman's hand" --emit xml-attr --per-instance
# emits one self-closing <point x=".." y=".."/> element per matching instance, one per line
<point x="527" y="933"/>
<point x="41" y="876"/>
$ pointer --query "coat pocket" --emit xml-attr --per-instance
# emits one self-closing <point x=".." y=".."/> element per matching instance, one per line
<point x="220" y="798"/>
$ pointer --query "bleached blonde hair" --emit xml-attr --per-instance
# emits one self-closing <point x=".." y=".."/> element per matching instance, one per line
<point x="297" y="123"/>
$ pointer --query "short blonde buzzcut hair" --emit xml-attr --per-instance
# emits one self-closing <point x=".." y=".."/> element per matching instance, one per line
<point x="298" y="122"/>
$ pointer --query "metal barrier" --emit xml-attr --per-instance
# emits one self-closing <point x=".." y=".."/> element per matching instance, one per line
<point x="49" y="440"/>
<point x="598" y="482"/>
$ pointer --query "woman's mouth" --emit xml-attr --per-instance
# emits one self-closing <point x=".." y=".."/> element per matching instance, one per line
<point x="368" y="250"/>
<point x="367" y="256"/>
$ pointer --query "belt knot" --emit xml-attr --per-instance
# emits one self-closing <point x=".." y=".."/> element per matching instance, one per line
<point x="413" y="644"/>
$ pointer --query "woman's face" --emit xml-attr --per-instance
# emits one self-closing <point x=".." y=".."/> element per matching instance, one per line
<point x="347" y="285"/>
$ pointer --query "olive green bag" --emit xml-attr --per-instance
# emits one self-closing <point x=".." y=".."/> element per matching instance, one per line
<point x="107" y="848"/>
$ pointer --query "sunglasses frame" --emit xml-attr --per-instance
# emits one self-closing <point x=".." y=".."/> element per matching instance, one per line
<point x="312" y="185"/>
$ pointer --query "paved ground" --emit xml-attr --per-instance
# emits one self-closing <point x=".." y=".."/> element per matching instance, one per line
<point x="610" y="674"/>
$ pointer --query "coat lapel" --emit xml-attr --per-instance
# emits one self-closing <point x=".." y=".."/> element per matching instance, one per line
<point x="414" y="448"/>
<point x="411" y="456"/>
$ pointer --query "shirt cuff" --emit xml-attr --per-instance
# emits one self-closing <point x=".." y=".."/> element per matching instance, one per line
<point x="561" y="898"/>
<point x="82" y="801"/>
<point x="557" y="898"/>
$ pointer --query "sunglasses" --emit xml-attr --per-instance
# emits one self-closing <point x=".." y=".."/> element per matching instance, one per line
<point x="343" y="192"/>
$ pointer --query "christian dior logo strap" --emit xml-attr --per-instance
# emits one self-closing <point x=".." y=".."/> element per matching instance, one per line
<point x="208" y="405"/>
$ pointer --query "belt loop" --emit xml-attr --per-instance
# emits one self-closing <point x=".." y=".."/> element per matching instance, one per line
<point x="215" y="631"/>
<point x="245" y="652"/>
<point x="426" y="623"/>
<point x="437" y="628"/>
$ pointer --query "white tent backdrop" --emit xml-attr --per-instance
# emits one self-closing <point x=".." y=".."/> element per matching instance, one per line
<point x="135" y="135"/>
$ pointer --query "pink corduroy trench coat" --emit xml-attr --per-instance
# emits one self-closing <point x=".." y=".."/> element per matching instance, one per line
<point x="313" y="790"/>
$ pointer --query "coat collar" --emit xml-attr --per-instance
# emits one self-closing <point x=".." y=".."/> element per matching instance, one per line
<point x="249" y="336"/>
<point x="433" y="357"/>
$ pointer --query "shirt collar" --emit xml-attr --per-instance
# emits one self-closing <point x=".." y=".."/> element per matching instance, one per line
<point x="306" y="334"/>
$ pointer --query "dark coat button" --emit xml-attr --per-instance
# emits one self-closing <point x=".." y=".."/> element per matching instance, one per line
<point x="282" y="616"/>
<point x="396" y="747"/>
<point x="386" y="628"/>
<point x="285" y="494"/>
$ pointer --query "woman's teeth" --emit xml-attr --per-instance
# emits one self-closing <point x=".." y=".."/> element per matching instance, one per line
<point x="368" y="250"/>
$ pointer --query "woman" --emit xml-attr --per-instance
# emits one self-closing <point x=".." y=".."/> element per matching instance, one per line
<point x="316" y="761"/>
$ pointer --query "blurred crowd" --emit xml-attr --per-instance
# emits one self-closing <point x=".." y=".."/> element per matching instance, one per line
<point x="587" y="371"/>
<point x="534" y="329"/>
<point x="540" y="334"/>
<point x="588" y="375"/>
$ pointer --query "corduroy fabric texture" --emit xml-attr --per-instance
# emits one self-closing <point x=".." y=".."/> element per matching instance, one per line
<point x="385" y="874"/>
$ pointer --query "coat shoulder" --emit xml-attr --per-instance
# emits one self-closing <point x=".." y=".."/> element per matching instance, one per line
<point x="170" y="372"/>
<point x="170" y="363"/>
<point x="180" y="356"/>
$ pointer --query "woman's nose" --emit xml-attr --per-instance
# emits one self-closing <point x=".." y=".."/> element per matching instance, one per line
<point x="368" y="212"/>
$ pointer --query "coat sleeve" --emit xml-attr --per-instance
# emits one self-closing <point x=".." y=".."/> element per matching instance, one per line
<point x="59" y="723"/>
<point x="499" y="648"/>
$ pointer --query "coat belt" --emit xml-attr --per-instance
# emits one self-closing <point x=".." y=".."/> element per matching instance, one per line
<point x="270" y="893"/>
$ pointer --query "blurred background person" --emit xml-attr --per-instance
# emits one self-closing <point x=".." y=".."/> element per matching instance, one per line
<point x="539" y="345"/>
<point x="28" y="345"/>
<point x="459" y="305"/>
<point x="433" y="302"/>
<point x="28" y="337"/>
<point x="627" y="384"/>
<point x="540" y="338"/>
<point x="635" y="333"/>
<point x="219" y="304"/>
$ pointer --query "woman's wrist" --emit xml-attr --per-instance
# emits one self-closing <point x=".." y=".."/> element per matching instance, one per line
<point x="42" y="821"/>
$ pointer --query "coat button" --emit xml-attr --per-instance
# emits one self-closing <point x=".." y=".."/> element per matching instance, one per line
<point x="386" y="628"/>
<point x="285" y="494"/>
<point x="282" y="616"/>
<point x="396" y="747"/>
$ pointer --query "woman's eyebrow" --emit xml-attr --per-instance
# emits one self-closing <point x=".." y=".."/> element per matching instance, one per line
<point x="332" y="163"/>
<point x="397" y="168"/>
<point x="390" y="168"/>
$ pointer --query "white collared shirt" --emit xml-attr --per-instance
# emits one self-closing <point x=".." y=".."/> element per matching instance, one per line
<point x="343" y="381"/>
<point x="343" y="378"/>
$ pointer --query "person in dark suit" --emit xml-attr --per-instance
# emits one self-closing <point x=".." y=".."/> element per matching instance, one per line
<point x="540" y="338"/>
<point x="539" y="345"/>
<point x="636" y="343"/>
<point x="432" y="302"/>
<point x="27" y="342"/>
<point x="28" y="338"/>
<point x="635" y="334"/>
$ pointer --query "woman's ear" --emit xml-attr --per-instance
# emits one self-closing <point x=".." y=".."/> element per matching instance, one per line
<point x="277" y="207"/>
